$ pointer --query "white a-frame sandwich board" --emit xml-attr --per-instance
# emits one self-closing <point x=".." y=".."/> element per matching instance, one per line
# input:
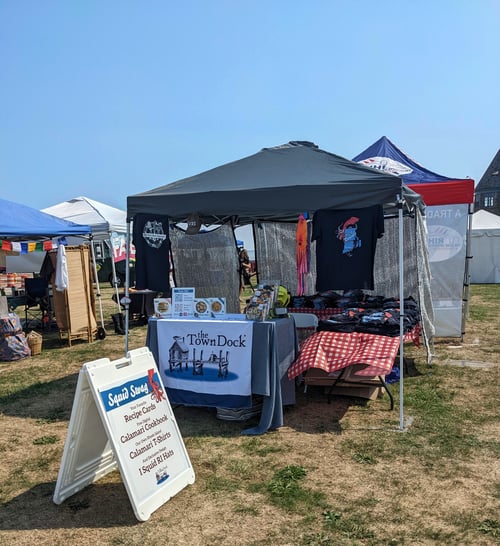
<point x="121" y="418"/>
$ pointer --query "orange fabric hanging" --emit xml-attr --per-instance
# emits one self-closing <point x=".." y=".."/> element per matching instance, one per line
<point x="301" y="254"/>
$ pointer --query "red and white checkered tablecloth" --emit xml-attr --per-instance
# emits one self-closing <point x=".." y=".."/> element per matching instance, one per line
<point x="332" y="351"/>
<point x="414" y="335"/>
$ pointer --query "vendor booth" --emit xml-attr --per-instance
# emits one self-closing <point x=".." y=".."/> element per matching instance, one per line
<point x="448" y="215"/>
<point x="108" y="225"/>
<point x="109" y="228"/>
<point x="25" y="230"/>
<point x="270" y="190"/>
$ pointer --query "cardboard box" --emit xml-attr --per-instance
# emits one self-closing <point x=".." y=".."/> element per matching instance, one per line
<point x="349" y="384"/>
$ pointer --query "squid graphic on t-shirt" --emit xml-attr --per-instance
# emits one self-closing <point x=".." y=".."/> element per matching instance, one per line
<point x="347" y="232"/>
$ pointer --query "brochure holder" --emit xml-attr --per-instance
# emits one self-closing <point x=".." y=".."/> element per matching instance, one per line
<point x="122" y="418"/>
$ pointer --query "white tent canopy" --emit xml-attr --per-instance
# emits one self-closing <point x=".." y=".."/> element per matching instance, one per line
<point x="485" y="248"/>
<point x="103" y="219"/>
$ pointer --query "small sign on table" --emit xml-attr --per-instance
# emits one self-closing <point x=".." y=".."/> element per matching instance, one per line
<point x="182" y="302"/>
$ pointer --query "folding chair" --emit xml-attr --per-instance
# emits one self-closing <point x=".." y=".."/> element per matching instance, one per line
<point x="37" y="304"/>
<point x="305" y="324"/>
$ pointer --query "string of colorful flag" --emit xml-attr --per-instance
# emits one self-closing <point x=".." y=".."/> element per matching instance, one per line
<point x="26" y="247"/>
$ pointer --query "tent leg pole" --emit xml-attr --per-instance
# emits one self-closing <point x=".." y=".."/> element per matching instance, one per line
<point x="401" y="315"/>
<point x="468" y="258"/>
<point x="113" y="269"/>
<point x="127" y="283"/>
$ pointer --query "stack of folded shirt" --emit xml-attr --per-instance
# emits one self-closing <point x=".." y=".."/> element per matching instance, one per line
<point x="382" y="320"/>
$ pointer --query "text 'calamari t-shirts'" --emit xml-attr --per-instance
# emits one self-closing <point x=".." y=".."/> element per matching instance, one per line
<point x="345" y="247"/>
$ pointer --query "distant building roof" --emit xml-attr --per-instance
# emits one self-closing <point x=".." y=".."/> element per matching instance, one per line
<point x="491" y="178"/>
<point x="487" y="191"/>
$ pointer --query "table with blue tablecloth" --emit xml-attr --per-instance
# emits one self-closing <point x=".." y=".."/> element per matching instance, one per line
<point x="273" y="349"/>
<point x="141" y="304"/>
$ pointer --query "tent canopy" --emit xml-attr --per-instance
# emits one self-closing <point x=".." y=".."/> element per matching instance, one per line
<point x="273" y="185"/>
<point x="103" y="219"/>
<point x="385" y="156"/>
<point x="105" y="222"/>
<point x="484" y="222"/>
<point x="20" y="221"/>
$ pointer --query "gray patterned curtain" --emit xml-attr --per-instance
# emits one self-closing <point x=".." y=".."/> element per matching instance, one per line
<point x="275" y="255"/>
<point x="207" y="261"/>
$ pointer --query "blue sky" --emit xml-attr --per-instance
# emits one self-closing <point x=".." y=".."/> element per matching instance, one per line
<point x="110" y="98"/>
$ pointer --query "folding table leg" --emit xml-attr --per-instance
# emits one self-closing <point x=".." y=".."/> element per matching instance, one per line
<point x="384" y="384"/>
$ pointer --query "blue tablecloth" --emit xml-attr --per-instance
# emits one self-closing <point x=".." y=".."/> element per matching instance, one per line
<point x="274" y="348"/>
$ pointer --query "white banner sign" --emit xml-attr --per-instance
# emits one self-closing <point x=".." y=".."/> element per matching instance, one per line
<point x="206" y="356"/>
<point x="121" y="417"/>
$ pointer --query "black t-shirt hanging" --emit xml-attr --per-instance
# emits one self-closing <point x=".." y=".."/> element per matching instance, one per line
<point x="345" y="247"/>
<point x="152" y="245"/>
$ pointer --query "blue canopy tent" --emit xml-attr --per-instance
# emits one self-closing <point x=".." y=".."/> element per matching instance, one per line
<point x="18" y="222"/>
<point x="449" y="215"/>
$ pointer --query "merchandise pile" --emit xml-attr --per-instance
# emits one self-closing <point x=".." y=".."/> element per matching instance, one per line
<point x="355" y="311"/>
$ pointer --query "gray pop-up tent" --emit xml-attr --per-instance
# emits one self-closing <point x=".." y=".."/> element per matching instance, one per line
<point x="276" y="185"/>
<point x="273" y="185"/>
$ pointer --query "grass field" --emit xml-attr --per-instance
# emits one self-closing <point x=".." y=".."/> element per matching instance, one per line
<point x="334" y="474"/>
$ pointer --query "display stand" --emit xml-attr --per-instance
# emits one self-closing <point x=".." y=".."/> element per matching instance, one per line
<point x="121" y="418"/>
<point x="74" y="307"/>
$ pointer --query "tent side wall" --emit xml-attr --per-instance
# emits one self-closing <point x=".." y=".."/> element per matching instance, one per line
<point x="447" y="227"/>
<point x="485" y="264"/>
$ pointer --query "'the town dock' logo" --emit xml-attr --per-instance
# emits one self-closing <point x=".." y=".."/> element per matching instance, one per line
<point x="153" y="233"/>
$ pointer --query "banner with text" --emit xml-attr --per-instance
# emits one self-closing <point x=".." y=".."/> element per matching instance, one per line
<point x="206" y="363"/>
<point x="139" y="419"/>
